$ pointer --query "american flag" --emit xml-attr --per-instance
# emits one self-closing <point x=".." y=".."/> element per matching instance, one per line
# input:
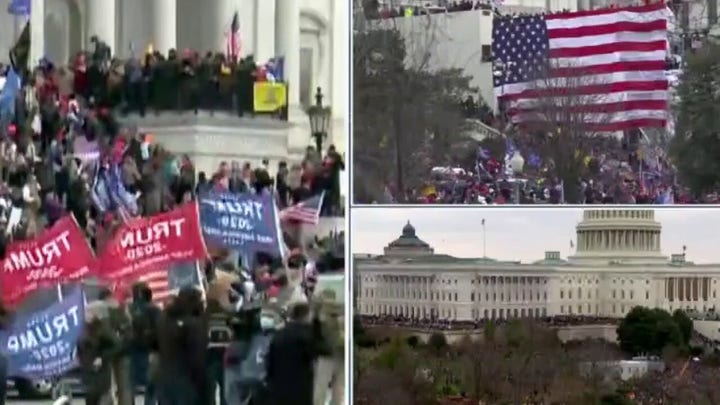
<point x="232" y="45"/>
<point x="167" y="282"/>
<point x="605" y="66"/>
<point x="306" y="212"/>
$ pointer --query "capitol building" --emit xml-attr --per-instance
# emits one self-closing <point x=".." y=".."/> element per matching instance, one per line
<point x="618" y="264"/>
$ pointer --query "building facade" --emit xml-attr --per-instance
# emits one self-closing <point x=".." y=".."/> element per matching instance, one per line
<point x="312" y="35"/>
<point x="618" y="265"/>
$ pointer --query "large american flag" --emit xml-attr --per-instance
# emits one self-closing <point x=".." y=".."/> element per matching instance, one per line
<point x="305" y="212"/>
<point x="606" y="67"/>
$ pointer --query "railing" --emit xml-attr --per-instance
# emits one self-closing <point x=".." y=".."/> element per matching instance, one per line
<point x="168" y="86"/>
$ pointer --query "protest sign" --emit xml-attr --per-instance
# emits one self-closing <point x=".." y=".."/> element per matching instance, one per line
<point x="87" y="151"/>
<point x="45" y="260"/>
<point x="146" y="244"/>
<point x="244" y="222"/>
<point x="42" y="345"/>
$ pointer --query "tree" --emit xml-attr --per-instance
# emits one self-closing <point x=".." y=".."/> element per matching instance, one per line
<point x="405" y="116"/>
<point x="696" y="145"/>
<point x="412" y="341"/>
<point x="685" y="324"/>
<point x="560" y="121"/>
<point x="648" y="331"/>
<point x="437" y="342"/>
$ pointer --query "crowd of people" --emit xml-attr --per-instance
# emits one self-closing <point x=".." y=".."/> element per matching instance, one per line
<point x="449" y="324"/>
<point x="260" y="332"/>
<point x="373" y="10"/>
<point x="613" y="170"/>
<point x="185" y="80"/>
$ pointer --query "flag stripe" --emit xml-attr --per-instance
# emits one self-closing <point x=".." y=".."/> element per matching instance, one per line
<point x="610" y="98"/>
<point x="618" y="125"/>
<point x="605" y="29"/>
<point x="158" y="282"/>
<point x="612" y="61"/>
<point x="590" y="48"/>
<point x="605" y="107"/>
<point x="306" y="212"/>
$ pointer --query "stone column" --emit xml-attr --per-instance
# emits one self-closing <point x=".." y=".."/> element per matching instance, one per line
<point x="264" y="37"/>
<point x="164" y="27"/>
<point x="287" y="45"/>
<point x="100" y="18"/>
<point x="221" y="15"/>
<point x="340" y="29"/>
<point x="37" y="31"/>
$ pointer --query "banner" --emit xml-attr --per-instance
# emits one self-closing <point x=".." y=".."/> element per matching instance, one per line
<point x="45" y="260"/>
<point x="19" y="7"/>
<point x="88" y="152"/>
<point x="146" y="244"/>
<point x="42" y="345"/>
<point x="244" y="222"/>
<point x="269" y="97"/>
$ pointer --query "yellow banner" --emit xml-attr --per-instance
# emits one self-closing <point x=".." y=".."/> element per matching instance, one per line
<point x="269" y="96"/>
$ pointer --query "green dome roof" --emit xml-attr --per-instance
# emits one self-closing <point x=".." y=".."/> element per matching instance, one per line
<point x="408" y="239"/>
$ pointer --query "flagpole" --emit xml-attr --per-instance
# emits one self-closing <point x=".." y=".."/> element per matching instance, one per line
<point x="484" y="239"/>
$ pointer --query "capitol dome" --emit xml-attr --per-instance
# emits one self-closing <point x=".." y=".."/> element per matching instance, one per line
<point x="408" y="244"/>
<point x="622" y="235"/>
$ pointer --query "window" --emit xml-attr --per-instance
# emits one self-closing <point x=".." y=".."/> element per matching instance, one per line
<point x="562" y="294"/>
<point x="632" y="294"/>
<point x="647" y="294"/>
<point x="562" y="309"/>
<point x="472" y="296"/>
<point x="486" y="51"/>
<point x="622" y="294"/>
<point x="569" y="294"/>
<point x="613" y="293"/>
<point x="455" y="296"/>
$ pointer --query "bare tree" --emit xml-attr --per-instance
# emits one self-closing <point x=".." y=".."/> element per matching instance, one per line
<point x="405" y="112"/>
<point x="567" y="111"/>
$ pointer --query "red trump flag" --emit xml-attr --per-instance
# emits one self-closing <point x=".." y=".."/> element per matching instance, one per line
<point x="45" y="260"/>
<point x="146" y="244"/>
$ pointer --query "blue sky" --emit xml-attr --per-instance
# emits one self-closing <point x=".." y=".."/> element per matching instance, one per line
<point x="521" y="233"/>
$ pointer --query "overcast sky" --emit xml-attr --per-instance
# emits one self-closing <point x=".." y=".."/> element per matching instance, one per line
<point x="521" y="234"/>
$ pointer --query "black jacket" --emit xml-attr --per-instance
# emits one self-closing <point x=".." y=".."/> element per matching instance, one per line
<point x="290" y="363"/>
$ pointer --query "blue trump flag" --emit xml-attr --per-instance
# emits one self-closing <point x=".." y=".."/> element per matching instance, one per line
<point x="43" y="344"/>
<point x="244" y="222"/>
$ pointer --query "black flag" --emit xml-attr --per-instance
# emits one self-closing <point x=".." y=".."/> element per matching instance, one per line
<point x="20" y="52"/>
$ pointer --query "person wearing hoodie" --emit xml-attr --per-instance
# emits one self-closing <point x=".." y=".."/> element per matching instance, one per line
<point x="120" y="363"/>
<point x="96" y="349"/>
<point x="144" y="316"/>
<point x="291" y="358"/>
<point x="183" y="343"/>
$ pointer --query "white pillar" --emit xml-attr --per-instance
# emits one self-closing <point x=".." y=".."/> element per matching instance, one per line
<point x="221" y="14"/>
<point x="287" y="44"/>
<point x="37" y="32"/>
<point x="264" y="38"/>
<point x="340" y="60"/>
<point x="100" y="18"/>
<point x="164" y="27"/>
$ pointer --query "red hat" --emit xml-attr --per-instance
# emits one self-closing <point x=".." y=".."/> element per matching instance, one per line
<point x="12" y="129"/>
